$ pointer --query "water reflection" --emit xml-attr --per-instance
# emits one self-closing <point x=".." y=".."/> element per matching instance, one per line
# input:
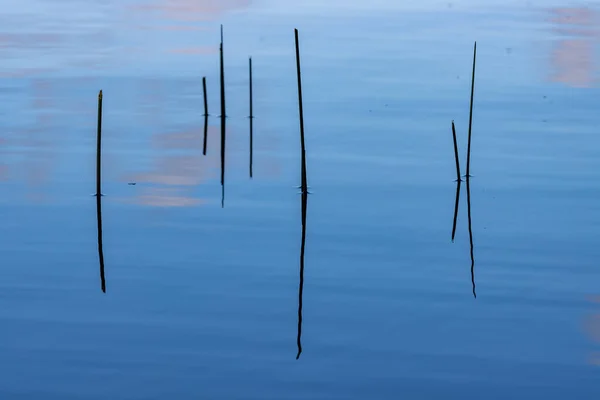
<point x="205" y="141"/>
<point x="573" y="58"/>
<point x="49" y="38"/>
<point x="251" y="146"/>
<point x="471" y="236"/>
<point x="3" y="173"/>
<point x="456" y="202"/>
<point x="189" y="10"/>
<point x="222" y="161"/>
<point x="301" y="280"/>
<point x="28" y="150"/>
<point x="192" y="50"/>
<point x="592" y="329"/>
<point x="223" y="195"/>
<point x="454" y="223"/>
<point x="100" y="250"/>
<point x="223" y="153"/>
<point x="41" y="163"/>
<point x="178" y="167"/>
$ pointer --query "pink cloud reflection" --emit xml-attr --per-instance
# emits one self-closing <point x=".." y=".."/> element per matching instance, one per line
<point x="573" y="58"/>
<point x="190" y="10"/>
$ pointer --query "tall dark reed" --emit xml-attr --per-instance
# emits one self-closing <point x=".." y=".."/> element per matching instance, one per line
<point x="99" y="147"/>
<point x="251" y="115"/>
<point x="222" y="112"/>
<point x="205" y="96"/>
<point x="99" y="191"/>
<point x="304" y="184"/>
<point x="456" y="153"/>
<point x="471" y="111"/>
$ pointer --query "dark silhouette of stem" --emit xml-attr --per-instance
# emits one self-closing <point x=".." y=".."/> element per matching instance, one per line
<point x="456" y="153"/>
<point x="304" y="185"/>
<point x="251" y="116"/>
<point x="99" y="147"/>
<point x="205" y="96"/>
<point x="222" y="112"/>
<point x="99" y="191"/>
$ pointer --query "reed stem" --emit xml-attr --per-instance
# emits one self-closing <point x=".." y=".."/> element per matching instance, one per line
<point x="251" y="116"/>
<point x="471" y="112"/>
<point x="205" y="96"/>
<point x="99" y="147"/>
<point x="304" y="185"/>
<point x="222" y="112"/>
<point x="456" y="153"/>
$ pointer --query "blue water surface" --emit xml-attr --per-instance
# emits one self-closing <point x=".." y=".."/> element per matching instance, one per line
<point x="202" y="290"/>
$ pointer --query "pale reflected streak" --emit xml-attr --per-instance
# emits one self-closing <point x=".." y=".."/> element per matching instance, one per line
<point x="194" y="50"/>
<point x="39" y="165"/>
<point x="177" y="165"/>
<point x="591" y="327"/>
<point x="3" y="173"/>
<point x="191" y="10"/>
<point x="573" y="58"/>
<point x="167" y="197"/>
<point x="33" y="147"/>
<point x="46" y="40"/>
<point x="175" y="171"/>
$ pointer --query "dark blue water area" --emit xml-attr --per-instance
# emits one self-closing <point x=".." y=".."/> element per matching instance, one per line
<point x="202" y="281"/>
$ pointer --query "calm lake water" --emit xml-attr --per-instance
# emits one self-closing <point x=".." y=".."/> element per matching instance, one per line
<point x="202" y="299"/>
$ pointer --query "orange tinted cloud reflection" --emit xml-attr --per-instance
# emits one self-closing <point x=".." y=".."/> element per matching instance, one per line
<point x="33" y="145"/>
<point x="167" y="197"/>
<point x="191" y="10"/>
<point x="180" y="167"/>
<point x="52" y="41"/>
<point x="194" y="50"/>
<point x="573" y="58"/>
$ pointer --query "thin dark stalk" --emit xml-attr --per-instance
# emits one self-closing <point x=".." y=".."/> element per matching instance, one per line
<point x="458" y="183"/>
<point x="99" y="191"/>
<point x="456" y="153"/>
<point x="471" y="111"/>
<point x="250" y="84"/>
<point x="301" y="284"/>
<point x="222" y="112"/>
<point x="471" y="238"/>
<point x="99" y="147"/>
<point x="205" y="96"/>
<point x="205" y="135"/>
<point x="251" y="116"/>
<point x="304" y="185"/>
<point x="100" y="251"/>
